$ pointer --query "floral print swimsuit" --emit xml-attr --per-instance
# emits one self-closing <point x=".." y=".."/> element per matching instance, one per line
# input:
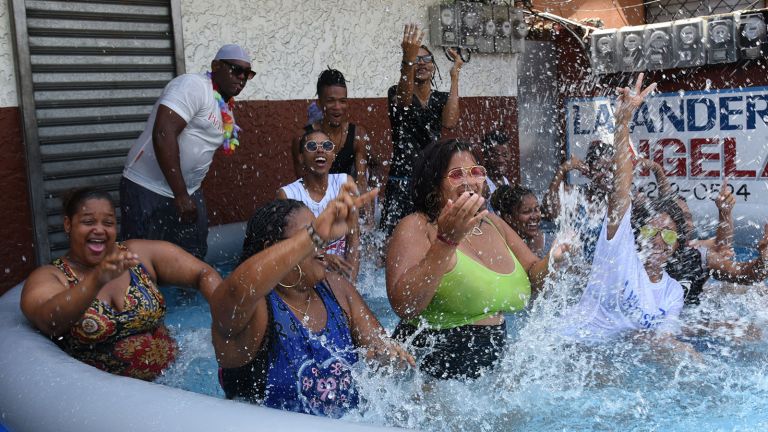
<point x="133" y="342"/>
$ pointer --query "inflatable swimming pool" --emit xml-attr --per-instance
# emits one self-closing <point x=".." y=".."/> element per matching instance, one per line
<point x="42" y="389"/>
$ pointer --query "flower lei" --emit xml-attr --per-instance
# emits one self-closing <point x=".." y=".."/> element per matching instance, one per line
<point x="231" y="130"/>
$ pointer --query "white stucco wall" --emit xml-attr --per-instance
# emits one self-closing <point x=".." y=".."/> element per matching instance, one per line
<point x="292" y="41"/>
<point x="7" y="73"/>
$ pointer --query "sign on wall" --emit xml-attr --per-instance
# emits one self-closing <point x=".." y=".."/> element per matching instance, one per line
<point x="699" y="138"/>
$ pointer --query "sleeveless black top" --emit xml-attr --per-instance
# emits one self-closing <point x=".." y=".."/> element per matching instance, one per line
<point x="345" y="157"/>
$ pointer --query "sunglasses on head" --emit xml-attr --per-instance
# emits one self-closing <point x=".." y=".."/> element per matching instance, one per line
<point x="311" y="146"/>
<point x="238" y="70"/>
<point x="669" y="236"/>
<point x="457" y="175"/>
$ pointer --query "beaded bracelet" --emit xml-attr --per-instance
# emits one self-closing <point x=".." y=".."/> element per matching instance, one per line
<point x="317" y="241"/>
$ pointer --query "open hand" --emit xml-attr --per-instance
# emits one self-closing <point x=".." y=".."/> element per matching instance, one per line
<point x="186" y="209"/>
<point x="631" y="99"/>
<point x="458" y="63"/>
<point x="725" y="199"/>
<point x="411" y="43"/>
<point x="340" y="216"/>
<point x="458" y="218"/>
<point x="390" y="352"/>
<point x="115" y="264"/>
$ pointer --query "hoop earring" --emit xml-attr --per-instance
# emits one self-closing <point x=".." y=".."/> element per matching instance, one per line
<point x="301" y="276"/>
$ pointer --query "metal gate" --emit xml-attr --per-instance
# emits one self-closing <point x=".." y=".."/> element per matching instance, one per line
<point x="89" y="72"/>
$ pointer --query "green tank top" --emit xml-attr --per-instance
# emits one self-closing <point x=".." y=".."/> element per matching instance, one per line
<point x="471" y="292"/>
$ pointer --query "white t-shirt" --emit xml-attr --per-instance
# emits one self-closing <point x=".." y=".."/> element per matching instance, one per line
<point x="297" y="191"/>
<point x="191" y="97"/>
<point x="619" y="296"/>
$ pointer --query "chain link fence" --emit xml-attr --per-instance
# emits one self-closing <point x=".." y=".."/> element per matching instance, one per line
<point x="658" y="11"/>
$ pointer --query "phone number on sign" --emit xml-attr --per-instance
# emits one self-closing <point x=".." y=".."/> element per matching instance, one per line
<point x="698" y="191"/>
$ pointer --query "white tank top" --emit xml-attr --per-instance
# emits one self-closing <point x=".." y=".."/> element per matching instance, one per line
<point x="297" y="191"/>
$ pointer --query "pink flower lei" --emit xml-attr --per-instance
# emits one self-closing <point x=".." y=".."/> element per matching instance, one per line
<point x="231" y="129"/>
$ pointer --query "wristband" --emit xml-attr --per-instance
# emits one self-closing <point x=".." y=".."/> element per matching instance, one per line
<point x="317" y="241"/>
<point x="446" y="240"/>
<point x="407" y="63"/>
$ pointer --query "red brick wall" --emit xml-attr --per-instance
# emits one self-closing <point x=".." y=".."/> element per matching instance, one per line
<point x="17" y="255"/>
<point x="238" y="184"/>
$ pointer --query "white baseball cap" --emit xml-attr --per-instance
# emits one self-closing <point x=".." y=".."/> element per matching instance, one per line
<point x="232" y="52"/>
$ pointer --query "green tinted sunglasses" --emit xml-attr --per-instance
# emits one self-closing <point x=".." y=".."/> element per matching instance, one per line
<point x="669" y="236"/>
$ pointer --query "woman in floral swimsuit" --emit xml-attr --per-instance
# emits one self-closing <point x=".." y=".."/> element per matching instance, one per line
<point x="100" y="301"/>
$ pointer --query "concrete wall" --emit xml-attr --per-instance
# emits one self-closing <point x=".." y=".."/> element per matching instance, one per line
<point x="8" y="75"/>
<point x="292" y="41"/>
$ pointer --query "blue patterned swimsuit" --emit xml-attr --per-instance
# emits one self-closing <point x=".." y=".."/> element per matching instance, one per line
<point x="295" y="369"/>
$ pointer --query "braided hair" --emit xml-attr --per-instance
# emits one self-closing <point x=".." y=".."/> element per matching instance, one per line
<point x="330" y="77"/>
<point x="267" y="225"/>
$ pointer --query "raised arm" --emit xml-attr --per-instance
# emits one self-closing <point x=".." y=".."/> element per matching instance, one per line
<point x="416" y="261"/>
<point x="165" y="134"/>
<point x="353" y="244"/>
<point x="53" y="307"/>
<point x="551" y="203"/>
<point x="725" y="202"/>
<point x="450" y="118"/>
<point x="174" y="266"/>
<point x="362" y="159"/>
<point x="665" y="189"/>
<point x="235" y="300"/>
<point x="411" y="43"/>
<point x="724" y="268"/>
<point x="620" y="197"/>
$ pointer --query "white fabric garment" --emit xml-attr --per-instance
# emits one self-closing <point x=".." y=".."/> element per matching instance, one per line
<point x="297" y="191"/>
<point x="492" y="186"/>
<point x="191" y="97"/>
<point x="619" y="296"/>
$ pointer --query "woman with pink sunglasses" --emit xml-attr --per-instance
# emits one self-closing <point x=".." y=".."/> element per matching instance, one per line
<point x="454" y="269"/>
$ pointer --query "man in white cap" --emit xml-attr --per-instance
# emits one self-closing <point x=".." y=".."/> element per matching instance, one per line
<point x="160" y="195"/>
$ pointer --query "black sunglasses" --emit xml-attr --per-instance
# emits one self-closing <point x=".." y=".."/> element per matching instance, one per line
<point x="425" y="59"/>
<point x="311" y="146"/>
<point x="238" y="70"/>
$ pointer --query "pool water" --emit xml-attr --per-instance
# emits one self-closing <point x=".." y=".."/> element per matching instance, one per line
<point x="543" y="383"/>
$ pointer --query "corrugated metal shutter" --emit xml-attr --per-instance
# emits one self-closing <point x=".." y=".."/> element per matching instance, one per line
<point x="658" y="11"/>
<point x="89" y="73"/>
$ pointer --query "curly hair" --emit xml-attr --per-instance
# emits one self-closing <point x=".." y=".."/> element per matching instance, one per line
<point x="429" y="172"/>
<point x="267" y="226"/>
<point x="506" y="199"/>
